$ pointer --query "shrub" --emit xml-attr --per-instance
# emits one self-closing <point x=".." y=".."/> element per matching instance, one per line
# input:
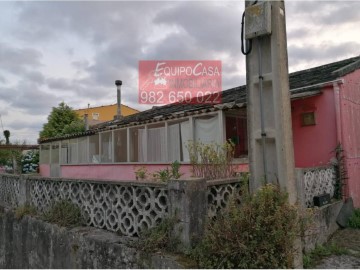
<point x="258" y="233"/>
<point x="64" y="213"/>
<point x="354" y="221"/>
<point x="141" y="173"/>
<point x="167" y="174"/>
<point x="30" y="162"/>
<point x="211" y="161"/>
<point x="25" y="210"/>
<point x="160" y="237"/>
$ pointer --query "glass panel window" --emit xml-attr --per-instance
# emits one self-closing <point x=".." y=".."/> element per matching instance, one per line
<point x="72" y="153"/>
<point x="94" y="153"/>
<point x="64" y="152"/>
<point x="120" y="145"/>
<point x="156" y="145"/>
<point x="178" y="138"/>
<point x="44" y="154"/>
<point x="137" y="144"/>
<point x="207" y="129"/>
<point x="55" y="153"/>
<point x="95" y="116"/>
<point x="83" y="150"/>
<point x="236" y="131"/>
<point x="106" y="147"/>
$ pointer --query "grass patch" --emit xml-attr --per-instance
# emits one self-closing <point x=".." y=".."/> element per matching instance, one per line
<point x="313" y="257"/>
<point x="64" y="213"/>
<point x="25" y="210"/>
<point x="354" y="221"/>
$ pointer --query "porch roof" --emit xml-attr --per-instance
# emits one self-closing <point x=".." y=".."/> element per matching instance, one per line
<point x="304" y="83"/>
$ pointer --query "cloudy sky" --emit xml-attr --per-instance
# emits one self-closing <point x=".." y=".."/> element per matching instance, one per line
<point x="73" y="51"/>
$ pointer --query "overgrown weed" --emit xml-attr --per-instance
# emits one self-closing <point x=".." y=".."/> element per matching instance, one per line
<point x="313" y="257"/>
<point x="25" y="210"/>
<point x="64" y="213"/>
<point x="354" y="221"/>
<point x="160" y="238"/>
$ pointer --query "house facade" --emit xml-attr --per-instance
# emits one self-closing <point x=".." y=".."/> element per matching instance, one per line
<point x="325" y="105"/>
<point x="104" y="113"/>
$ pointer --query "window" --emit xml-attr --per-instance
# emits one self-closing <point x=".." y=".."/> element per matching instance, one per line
<point x="120" y="145"/>
<point x="82" y="150"/>
<point x="156" y="144"/>
<point x="137" y="144"/>
<point x="308" y="119"/>
<point x="72" y="152"/>
<point x="44" y="154"/>
<point x="106" y="147"/>
<point x="64" y="152"/>
<point x="95" y="116"/>
<point x="178" y="138"/>
<point x="207" y="129"/>
<point x="236" y="131"/>
<point x="54" y="153"/>
<point x="94" y="153"/>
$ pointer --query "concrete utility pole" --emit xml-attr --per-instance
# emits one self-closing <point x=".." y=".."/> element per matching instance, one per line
<point x="271" y="153"/>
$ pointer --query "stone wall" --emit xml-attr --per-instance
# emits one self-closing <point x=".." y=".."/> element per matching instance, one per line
<point x="323" y="225"/>
<point x="32" y="243"/>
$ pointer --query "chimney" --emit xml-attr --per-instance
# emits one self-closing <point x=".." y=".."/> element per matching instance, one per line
<point x="118" y="84"/>
<point x="86" y="121"/>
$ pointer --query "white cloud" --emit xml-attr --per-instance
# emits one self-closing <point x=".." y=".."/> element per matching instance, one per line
<point x="74" y="51"/>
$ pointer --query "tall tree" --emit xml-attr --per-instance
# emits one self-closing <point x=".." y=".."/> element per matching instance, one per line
<point x="61" y="121"/>
<point x="7" y="136"/>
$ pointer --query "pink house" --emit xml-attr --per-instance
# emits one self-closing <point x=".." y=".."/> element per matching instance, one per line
<point x="325" y="104"/>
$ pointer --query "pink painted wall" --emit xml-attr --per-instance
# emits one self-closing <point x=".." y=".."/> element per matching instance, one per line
<point x="122" y="172"/>
<point x="313" y="145"/>
<point x="44" y="170"/>
<point x="350" y="132"/>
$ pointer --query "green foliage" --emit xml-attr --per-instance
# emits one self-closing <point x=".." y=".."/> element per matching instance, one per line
<point x="258" y="233"/>
<point x="175" y="170"/>
<point x="354" y="221"/>
<point x="11" y="159"/>
<point x="312" y="258"/>
<point x="61" y="121"/>
<point x="7" y="136"/>
<point x="64" y="213"/>
<point x="30" y="161"/>
<point x="141" y="173"/>
<point x="167" y="174"/>
<point x="162" y="175"/>
<point x="211" y="161"/>
<point x="159" y="238"/>
<point x="25" y="210"/>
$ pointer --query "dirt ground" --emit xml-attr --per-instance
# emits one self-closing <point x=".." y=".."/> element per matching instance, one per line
<point x="349" y="239"/>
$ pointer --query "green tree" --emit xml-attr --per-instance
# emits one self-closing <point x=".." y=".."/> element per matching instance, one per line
<point x="7" y="136"/>
<point x="61" y="121"/>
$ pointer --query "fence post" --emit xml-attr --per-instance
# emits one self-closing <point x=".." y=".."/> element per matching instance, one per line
<point x="188" y="202"/>
<point x="24" y="190"/>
